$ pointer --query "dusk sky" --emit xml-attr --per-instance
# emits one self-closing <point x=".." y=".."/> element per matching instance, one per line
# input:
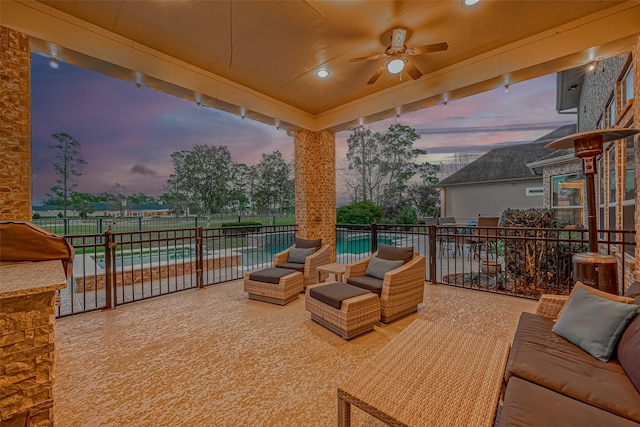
<point x="128" y="134"/>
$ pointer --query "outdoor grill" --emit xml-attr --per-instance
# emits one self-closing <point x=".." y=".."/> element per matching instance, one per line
<point x="592" y="268"/>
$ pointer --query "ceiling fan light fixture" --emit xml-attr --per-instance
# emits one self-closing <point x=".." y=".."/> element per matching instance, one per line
<point x="322" y="74"/>
<point x="471" y="2"/>
<point x="395" y="66"/>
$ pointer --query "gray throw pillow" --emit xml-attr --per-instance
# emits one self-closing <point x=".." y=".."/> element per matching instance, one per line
<point x="378" y="267"/>
<point x="593" y="323"/>
<point x="298" y="255"/>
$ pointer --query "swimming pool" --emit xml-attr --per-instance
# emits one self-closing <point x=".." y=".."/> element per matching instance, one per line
<point x="147" y="257"/>
<point x="353" y="245"/>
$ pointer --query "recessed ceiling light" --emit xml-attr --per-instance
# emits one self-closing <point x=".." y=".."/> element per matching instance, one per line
<point x="322" y="73"/>
<point x="470" y="2"/>
<point x="395" y="66"/>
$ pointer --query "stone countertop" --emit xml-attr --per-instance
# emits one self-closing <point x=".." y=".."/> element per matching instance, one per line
<point x="27" y="278"/>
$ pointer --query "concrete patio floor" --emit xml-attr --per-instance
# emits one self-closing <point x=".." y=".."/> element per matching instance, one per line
<point x="212" y="357"/>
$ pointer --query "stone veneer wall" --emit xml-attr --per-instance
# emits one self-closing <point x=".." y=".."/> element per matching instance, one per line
<point x="26" y="358"/>
<point x="148" y="274"/>
<point x="315" y="181"/>
<point x="15" y="126"/>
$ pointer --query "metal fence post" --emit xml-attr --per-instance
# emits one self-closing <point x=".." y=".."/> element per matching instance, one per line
<point x="139" y="223"/>
<point x="65" y="223"/>
<point x="374" y="237"/>
<point x="107" y="272"/>
<point x="432" y="253"/>
<point x="199" y="257"/>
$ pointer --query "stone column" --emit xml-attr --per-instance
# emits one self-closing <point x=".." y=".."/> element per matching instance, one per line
<point x="15" y="126"/>
<point x="315" y="181"/>
<point x="27" y="318"/>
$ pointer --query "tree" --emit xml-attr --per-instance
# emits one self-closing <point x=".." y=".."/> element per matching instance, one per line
<point x="142" y="199"/>
<point x="383" y="164"/>
<point x="364" y="161"/>
<point x="274" y="187"/>
<point x="83" y="203"/>
<point x="202" y="175"/>
<point x="241" y="182"/>
<point x="118" y="198"/>
<point x="66" y="168"/>
<point x="459" y="161"/>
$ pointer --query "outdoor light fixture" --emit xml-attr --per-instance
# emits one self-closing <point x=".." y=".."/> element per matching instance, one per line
<point x="243" y="112"/>
<point x="573" y="88"/>
<point x="506" y="88"/>
<point x="53" y="63"/>
<point x="591" y="67"/>
<point x="322" y="73"/>
<point x="138" y="79"/>
<point x="395" y="66"/>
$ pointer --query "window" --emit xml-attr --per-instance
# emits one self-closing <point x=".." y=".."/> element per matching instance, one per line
<point x="629" y="202"/>
<point x="611" y="154"/>
<point x="611" y="112"/>
<point x="568" y="199"/>
<point x="600" y="124"/>
<point x="601" y="199"/>
<point x="626" y="87"/>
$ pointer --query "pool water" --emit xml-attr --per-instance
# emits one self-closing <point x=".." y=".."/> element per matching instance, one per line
<point x="354" y="245"/>
<point x="137" y="258"/>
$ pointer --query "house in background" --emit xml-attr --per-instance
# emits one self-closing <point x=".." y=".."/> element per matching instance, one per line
<point x="498" y="180"/>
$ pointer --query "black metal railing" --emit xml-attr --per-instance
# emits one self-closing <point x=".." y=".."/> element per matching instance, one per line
<point x="524" y="262"/>
<point x="115" y="268"/>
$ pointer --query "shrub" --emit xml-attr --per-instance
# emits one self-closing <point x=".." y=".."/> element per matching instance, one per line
<point x="407" y="215"/>
<point x="359" y="213"/>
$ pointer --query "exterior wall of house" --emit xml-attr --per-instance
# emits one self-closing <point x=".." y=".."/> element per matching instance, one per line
<point x="315" y="182"/>
<point x="467" y="202"/>
<point x="599" y="88"/>
<point x="15" y="126"/>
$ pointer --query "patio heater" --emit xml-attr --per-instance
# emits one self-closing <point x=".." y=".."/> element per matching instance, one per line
<point x="592" y="268"/>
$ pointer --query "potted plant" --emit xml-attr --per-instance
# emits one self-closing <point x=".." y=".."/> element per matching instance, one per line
<point x="492" y="265"/>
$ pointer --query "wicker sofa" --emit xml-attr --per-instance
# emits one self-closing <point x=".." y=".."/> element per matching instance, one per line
<point x="401" y="290"/>
<point x="552" y="382"/>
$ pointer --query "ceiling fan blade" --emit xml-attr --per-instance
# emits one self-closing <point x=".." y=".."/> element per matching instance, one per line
<point x="413" y="71"/>
<point x="368" y="58"/>
<point x="376" y="75"/>
<point x="419" y="50"/>
<point x="397" y="39"/>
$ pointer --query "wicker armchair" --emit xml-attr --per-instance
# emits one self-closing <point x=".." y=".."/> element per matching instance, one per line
<point x="550" y="305"/>
<point x="402" y="288"/>
<point x="309" y="269"/>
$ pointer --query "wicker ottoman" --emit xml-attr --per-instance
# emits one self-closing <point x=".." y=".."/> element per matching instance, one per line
<point x="274" y="285"/>
<point x="344" y="309"/>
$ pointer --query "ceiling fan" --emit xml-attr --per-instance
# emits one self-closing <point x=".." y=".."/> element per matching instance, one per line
<point x="398" y="54"/>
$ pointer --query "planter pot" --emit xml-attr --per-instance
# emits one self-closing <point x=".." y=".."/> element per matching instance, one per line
<point x="490" y="267"/>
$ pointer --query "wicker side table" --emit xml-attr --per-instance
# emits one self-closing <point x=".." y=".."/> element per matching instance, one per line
<point x="431" y="374"/>
<point x="356" y="316"/>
